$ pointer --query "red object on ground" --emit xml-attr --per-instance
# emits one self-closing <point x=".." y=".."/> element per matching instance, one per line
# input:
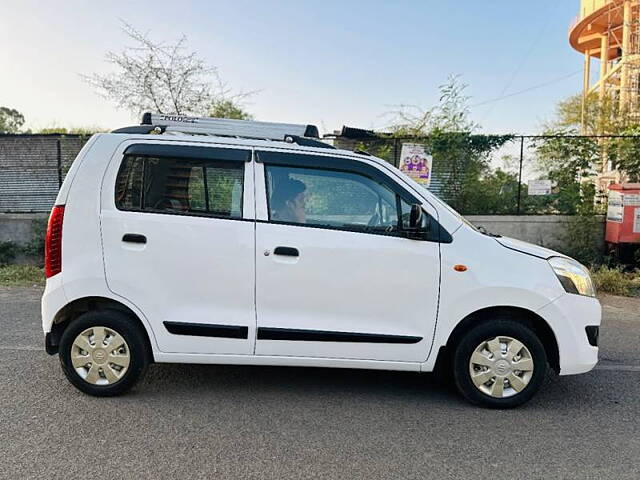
<point x="623" y="213"/>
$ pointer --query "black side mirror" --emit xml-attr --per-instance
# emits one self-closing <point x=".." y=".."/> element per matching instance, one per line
<point x="415" y="217"/>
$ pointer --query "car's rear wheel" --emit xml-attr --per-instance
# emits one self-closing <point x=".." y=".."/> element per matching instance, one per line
<point x="499" y="364"/>
<point x="103" y="353"/>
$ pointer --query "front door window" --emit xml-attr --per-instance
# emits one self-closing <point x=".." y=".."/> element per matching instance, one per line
<point x="333" y="199"/>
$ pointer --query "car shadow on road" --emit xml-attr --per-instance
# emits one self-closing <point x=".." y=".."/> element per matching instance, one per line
<point x="312" y="384"/>
<point x="170" y="379"/>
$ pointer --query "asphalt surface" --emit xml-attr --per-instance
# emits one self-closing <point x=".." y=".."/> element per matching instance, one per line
<point x="227" y="422"/>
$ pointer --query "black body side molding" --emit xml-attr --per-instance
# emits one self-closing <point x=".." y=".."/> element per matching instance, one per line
<point x="291" y="334"/>
<point x="206" y="330"/>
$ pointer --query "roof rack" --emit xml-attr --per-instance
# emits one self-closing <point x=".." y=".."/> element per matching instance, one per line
<point x="227" y="127"/>
<point x="305" y="135"/>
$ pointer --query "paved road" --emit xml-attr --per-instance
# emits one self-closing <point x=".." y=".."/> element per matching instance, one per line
<point x="277" y="423"/>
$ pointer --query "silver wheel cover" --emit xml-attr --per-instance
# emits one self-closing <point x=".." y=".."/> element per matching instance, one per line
<point x="100" y="356"/>
<point x="501" y="367"/>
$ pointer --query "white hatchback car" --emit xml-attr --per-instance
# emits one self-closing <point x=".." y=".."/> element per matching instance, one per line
<point x="192" y="240"/>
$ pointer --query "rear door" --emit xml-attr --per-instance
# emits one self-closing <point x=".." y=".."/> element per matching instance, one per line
<point x="178" y="242"/>
<point x="336" y="274"/>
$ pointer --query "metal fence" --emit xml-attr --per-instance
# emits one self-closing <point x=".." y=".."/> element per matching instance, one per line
<point x="32" y="168"/>
<point x="515" y="159"/>
<point x="496" y="180"/>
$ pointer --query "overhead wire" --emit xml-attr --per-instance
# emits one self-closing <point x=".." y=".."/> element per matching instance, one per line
<point x="526" y="90"/>
<point x="525" y="58"/>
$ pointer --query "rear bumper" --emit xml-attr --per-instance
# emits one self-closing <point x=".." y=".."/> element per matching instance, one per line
<point x="569" y="316"/>
<point x="53" y="299"/>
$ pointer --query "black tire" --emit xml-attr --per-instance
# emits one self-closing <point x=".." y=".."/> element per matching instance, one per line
<point x="126" y="327"/>
<point x="484" y="332"/>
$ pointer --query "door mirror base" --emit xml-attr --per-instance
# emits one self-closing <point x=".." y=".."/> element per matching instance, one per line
<point x="415" y="217"/>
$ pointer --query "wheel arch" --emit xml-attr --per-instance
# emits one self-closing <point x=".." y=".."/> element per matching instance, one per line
<point x="521" y="315"/>
<point x="77" y="307"/>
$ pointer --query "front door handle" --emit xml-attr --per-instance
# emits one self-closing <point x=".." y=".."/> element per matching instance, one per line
<point x="134" y="238"/>
<point x="286" y="251"/>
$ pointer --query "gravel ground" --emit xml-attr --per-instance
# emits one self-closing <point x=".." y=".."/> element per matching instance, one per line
<point x="193" y="421"/>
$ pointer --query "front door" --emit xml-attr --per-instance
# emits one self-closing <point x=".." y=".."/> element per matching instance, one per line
<point x="336" y="274"/>
<point x="178" y="241"/>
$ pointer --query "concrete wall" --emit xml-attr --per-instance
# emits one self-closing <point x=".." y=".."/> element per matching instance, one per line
<point x="20" y="228"/>
<point x="546" y="230"/>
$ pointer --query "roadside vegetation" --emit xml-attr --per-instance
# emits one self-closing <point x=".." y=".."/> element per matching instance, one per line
<point x="13" y="271"/>
<point x="615" y="281"/>
<point x="21" y="276"/>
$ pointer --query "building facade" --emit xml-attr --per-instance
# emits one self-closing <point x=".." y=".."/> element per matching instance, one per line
<point x="609" y="31"/>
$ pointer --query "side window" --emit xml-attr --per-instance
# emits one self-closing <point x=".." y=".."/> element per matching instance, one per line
<point x="129" y="184"/>
<point x="195" y="192"/>
<point x="331" y="198"/>
<point x="181" y="186"/>
<point x="224" y="186"/>
<point x="173" y="185"/>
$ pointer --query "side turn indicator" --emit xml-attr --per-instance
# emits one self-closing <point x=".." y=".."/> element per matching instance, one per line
<point x="460" y="268"/>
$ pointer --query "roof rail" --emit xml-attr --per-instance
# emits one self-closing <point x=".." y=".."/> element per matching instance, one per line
<point x="303" y="135"/>
<point x="228" y="127"/>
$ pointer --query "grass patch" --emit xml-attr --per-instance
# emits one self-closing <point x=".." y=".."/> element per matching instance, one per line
<point x="21" y="276"/>
<point x="616" y="282"/>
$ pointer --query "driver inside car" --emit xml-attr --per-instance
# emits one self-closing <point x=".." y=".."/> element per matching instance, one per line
<point x="288" y="201"/>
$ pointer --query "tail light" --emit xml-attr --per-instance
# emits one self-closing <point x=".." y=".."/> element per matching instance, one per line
<point x="53" y="243"/>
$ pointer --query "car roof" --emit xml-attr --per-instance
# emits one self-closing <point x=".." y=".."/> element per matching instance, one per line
<point x="245" y="142"/>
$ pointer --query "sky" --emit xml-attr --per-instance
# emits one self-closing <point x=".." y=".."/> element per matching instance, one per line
<point x="328" y="63"/>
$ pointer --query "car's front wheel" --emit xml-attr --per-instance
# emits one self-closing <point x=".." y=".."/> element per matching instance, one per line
<point x="103" y="353"/>
<point x="499" y="364"/>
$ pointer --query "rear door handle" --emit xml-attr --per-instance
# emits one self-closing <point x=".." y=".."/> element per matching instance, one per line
<point x="286" y="251"/>
<point x="134" y="238"/>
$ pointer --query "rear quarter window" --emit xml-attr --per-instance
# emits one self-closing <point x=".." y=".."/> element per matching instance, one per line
<point x="180" y="186"/>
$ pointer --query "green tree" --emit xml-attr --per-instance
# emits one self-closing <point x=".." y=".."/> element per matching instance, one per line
<point x="494" y="192"/>
<point x="601" y="116"/>
<point x="451" y="114"/>
<point x="461" y="159"/>
<point x="72" y="130"/>
<point x="161" y="77"/>
<point x="228" y="108"/>
<point x="624" y="152"/>
<point x="569" y="161"/>
<point x="11" y="120"/>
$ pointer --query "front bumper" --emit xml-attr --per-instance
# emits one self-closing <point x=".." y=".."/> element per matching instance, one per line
<point x="569" y="316"/>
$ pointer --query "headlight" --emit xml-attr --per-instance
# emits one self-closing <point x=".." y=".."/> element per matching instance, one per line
<point x="573" y="276"/>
